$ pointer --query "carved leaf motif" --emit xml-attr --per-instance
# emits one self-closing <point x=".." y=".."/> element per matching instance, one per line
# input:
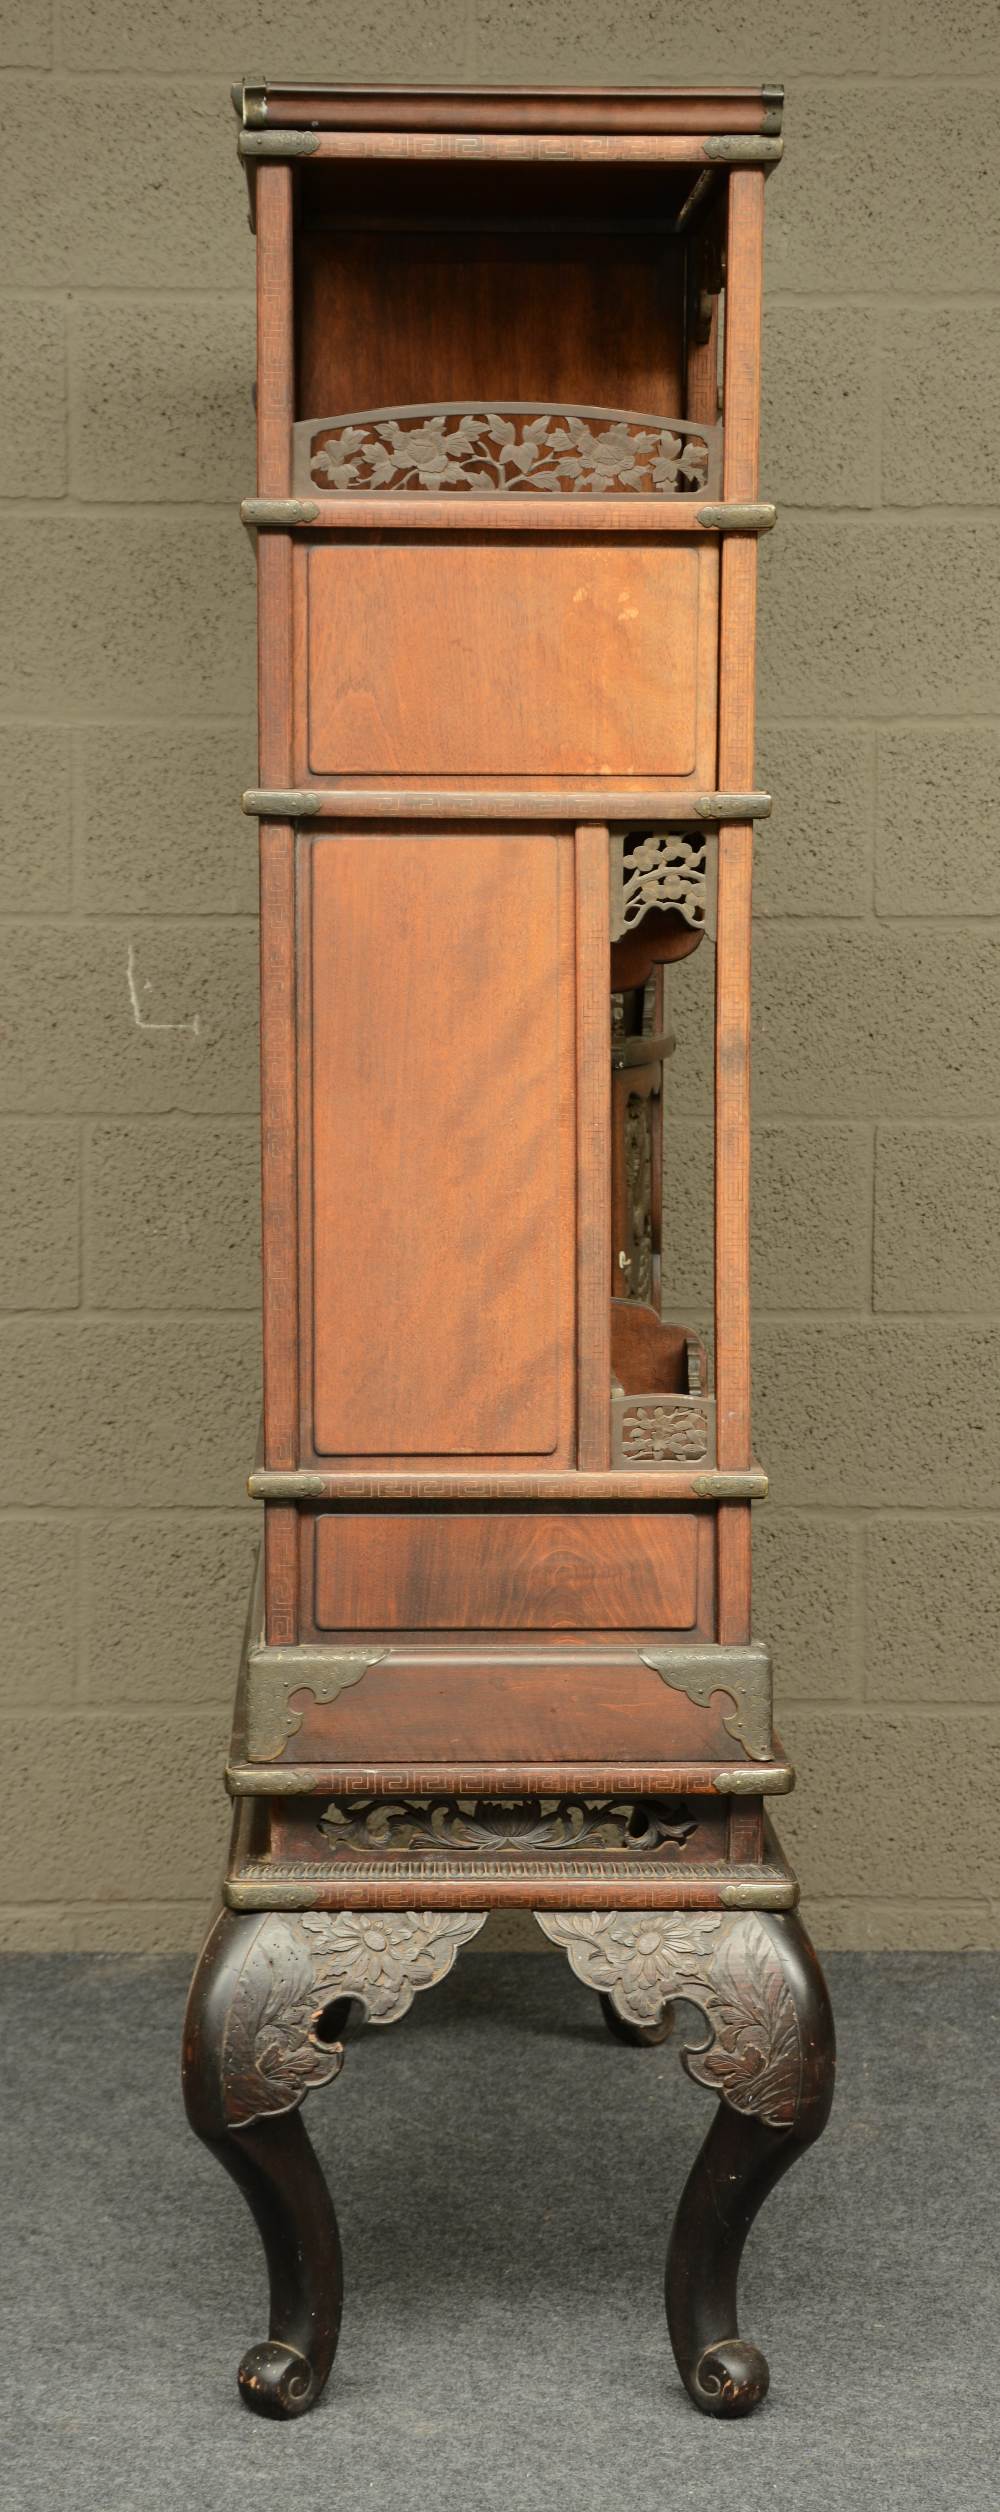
<point x="662" y="871"/>
<point x="296" y="1966"/>
<point x="488" y="450"/>
<point x="636" y="1826"/>
<point x="727" y="1965"/>
<point x="271" y="2058"/>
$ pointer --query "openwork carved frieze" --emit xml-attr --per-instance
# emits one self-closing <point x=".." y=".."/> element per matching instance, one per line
<point x="382" y="1825"/>
<point x="725" y="1963"/>
<point x="562" y="451"/>
<point x="297" y="1966"/>
<point x="661" y="871"/>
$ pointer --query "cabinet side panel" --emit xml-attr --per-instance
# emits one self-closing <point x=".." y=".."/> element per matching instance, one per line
<point x="521" y="657"/>
<point x="442" y="1140"/>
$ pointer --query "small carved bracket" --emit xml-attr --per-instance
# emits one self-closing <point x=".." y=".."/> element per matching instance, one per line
<point x="297" y="1966"/>
<point x="274" y="1674"/>
<point x="728" y="1965"/>
<point x="745" y="1673"/>
<point x="662" y="1430"/>
<point x="667" y="870"/>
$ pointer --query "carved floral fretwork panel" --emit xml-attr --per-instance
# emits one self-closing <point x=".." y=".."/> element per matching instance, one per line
<point x="728" y="1965"/>
<point x="574" y="452"/>
<point x="631" y="1826"/>
<point x="661" y="871"/>
<point x="662" y="1429"/>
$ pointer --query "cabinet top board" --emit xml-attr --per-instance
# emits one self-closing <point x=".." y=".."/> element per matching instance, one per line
<point x="308" y="105"/>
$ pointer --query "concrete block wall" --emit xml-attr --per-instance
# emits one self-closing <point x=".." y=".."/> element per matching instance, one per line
<point x="128" y="1343"/>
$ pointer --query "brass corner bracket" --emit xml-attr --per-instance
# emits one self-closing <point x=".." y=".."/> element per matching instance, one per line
<point x="745" y="1673"/>
<point x="275" y="1674"/>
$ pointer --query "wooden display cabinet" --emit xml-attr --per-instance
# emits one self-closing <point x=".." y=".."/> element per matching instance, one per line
<point x="506" y="514"/>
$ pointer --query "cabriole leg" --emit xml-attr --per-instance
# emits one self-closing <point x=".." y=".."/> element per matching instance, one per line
<point x="266" y="2001"/>
<point x="770" y="2057"/>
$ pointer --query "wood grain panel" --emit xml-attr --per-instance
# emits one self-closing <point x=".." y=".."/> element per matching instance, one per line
<point x="593" y="1169"/>
<point x="394" y="317"/>
<point x="441" y="656"/>
<point x="506" y="1571"/>
<point x="521" y="1706"/>
<point x="442" y="1132"/>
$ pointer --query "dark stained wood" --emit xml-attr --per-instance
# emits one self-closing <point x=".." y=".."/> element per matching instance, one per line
<point x="272" y="2161"/>
<point x="396" y="317"/>
<point x="636" y="2036"/>
<point x="743" y="2157"/>
<point x="508" y="1571"/>
<point x="563" y="1704"/>
<point x="428" y="1837"/>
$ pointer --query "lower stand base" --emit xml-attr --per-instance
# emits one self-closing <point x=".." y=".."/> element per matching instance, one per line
<point x="273" y="1992"/>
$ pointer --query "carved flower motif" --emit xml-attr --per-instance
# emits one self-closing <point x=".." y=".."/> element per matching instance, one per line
<point x="728" y="1966"/>
<point x="661" y="871"/>
<point x="487" y="450"/>
<point x="665" y="1430"/>
<point x="298" y="1966"/>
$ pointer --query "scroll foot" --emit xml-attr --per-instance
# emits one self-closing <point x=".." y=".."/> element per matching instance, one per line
<point x="769" y="2055"/>
<point x="268" y="1999"/>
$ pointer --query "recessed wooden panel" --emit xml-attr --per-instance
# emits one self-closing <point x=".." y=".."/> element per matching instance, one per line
<point x="442" y="1088"/>
<point x="388" y="314"/>
<point x="506" y="1571"/>
<point x="519" y="1704"/>
<point x="440" y="656"/>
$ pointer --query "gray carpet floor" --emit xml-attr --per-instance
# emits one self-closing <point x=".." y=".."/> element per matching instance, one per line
<point x="505" y="2174"/>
